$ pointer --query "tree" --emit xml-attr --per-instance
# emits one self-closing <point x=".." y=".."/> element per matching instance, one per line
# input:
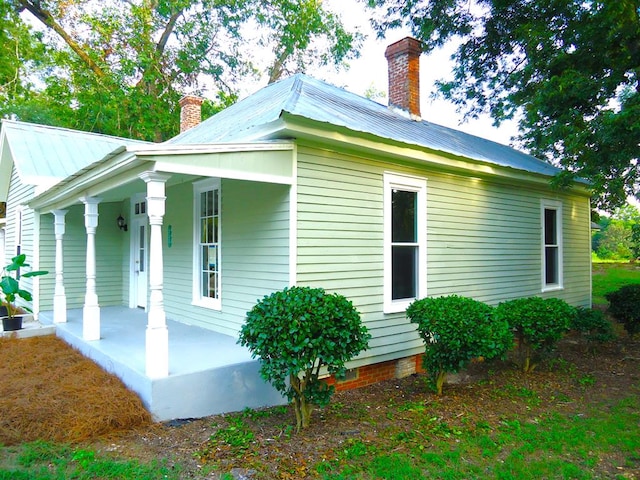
<point x="618" y="236"/>
<point x="296" y="333"/>
<point x="119" y="68"/>
<point x="568" y="69"/>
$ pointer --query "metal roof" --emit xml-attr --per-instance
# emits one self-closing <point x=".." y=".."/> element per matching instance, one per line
<point x="318" y="101"/>
<point x="42" y="152"/>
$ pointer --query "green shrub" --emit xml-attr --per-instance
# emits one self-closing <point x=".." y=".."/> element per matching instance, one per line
<point x="593" y="325"/>
<point x="296" y="332"/>
<point x="539" y="324"/>
<point x="456" y="330"/>
<point x="624" y="305"/>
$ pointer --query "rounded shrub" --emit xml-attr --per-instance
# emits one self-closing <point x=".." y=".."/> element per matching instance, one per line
<point x="593" y="325"/>
<point x="538" y="323"/>
<point x="624" y="306"/>
<point x="455" y="331"/>
<point x="296" y="332"/>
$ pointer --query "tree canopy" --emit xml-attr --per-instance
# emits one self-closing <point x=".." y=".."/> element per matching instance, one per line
<point x="568" y="70"/>
<point x="120" y="67"/>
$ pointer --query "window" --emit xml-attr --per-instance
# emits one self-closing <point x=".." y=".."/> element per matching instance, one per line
<point x="551" y="245"/>
<point x="207" y="244"/>
<point x="405" y="241"/>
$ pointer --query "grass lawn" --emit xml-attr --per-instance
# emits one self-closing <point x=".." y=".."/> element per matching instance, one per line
<point x="609" y="277"/>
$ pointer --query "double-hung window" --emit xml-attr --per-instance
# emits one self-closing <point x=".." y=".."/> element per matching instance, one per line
<point x="207" y="244"/>
<point x="405" y="241"/>
<point x="551" y="220"/>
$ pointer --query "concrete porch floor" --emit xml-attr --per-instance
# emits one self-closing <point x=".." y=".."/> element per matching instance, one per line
<point x="209" y="372"/>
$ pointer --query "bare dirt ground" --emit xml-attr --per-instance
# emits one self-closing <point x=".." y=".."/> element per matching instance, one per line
<point x="49" y="391"/>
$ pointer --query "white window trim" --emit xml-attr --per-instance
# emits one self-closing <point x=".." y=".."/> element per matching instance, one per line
<point x="557" y="206"/>
<point x="198" y="300"/>
<point x="412" y="184"/>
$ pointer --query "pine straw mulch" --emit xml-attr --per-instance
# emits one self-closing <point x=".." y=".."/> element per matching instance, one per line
<point x="49" y="391"/>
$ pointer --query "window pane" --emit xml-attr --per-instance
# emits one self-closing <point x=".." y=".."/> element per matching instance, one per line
<point x="551" y="265"/>
<point x="209" y="203"/>
<point x="213" y="258"/>
<point x="550" y="234"/>
<point x="403" y="216"/>
<point x="141" y="248"/>
<point x="205" y="284"/>
<point x="214" y="210"/>
<point x="205" y="258"/>
<point x="209" y="225"/>
<point x="404" y="272"/>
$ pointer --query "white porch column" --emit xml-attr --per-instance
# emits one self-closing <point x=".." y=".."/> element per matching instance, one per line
<point x="59" y="296"/>
<point x="157" y="336"/>
<point x="91" y="310"/>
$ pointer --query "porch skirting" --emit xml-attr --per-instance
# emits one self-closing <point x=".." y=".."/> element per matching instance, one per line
<point x="209" y="373"/>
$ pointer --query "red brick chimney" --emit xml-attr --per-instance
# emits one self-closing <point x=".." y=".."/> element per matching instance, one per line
<point x="404" y="75"/>
<point x="190" y="111"/>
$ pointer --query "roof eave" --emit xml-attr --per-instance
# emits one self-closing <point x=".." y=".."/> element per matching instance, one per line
<point x="343" y="137"/>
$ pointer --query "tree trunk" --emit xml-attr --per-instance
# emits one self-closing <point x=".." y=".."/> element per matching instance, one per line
<point x="440" y="381"/>
<point x="301" y="406"/>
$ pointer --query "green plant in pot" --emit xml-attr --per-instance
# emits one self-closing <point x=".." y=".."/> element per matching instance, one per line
<point x="11" y="290"/>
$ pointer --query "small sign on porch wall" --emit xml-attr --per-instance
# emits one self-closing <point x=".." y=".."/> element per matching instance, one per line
<point x="169" y="236"/>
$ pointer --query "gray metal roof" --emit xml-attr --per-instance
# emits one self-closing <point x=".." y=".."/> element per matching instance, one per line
<point x="41" y="151"/>
<point x="318" y="101"/>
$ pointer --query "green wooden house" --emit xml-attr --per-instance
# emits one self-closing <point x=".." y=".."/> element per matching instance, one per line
<point x="159" y="250"/>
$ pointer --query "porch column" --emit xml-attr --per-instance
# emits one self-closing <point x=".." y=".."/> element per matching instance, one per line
<point x="157" y="335"/>
<point x="59" y="296"/>
<point x="91" y="310"/>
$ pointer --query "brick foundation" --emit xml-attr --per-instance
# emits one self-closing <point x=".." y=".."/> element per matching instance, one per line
<point x="378" y="372"/>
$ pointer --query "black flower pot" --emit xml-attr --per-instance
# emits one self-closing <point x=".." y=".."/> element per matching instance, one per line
<point x="11" y="324"/>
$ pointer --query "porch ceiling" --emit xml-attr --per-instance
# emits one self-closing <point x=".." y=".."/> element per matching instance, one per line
<point x="117" y="175"/>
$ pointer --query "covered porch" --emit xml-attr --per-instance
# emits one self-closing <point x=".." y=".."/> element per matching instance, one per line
<point x="209" y="372"/>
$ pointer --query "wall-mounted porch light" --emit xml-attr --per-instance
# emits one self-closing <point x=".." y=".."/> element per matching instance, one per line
<point x="122" y="225"/>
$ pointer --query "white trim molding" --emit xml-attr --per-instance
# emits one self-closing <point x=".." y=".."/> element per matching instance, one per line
<point x="198" y="300"/>
<point x="552" y="242"/>
<point x="396" y="182"/>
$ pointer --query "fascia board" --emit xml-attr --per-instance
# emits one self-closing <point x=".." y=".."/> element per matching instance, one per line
<point x="189" y="149"/>
<point x="6" y="164"/>
<point x="301" y="127"/>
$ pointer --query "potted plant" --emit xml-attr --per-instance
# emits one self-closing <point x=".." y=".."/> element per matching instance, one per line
<point x="11" y="290"/>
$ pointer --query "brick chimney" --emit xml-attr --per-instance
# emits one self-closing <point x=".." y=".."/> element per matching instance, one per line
<point x="404" y="75"/>
<point x="190" y="111"/>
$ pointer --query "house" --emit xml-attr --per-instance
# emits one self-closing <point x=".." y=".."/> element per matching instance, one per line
<point x="301" y="183"/>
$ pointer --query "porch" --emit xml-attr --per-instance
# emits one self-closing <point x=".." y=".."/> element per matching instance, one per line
<point x="209" y="372"/>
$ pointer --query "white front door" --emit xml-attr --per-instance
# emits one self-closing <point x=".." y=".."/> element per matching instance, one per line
<point x="139" y="255"/>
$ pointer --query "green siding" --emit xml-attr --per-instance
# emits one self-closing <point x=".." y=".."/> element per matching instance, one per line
<point x="19" y="194"/>
<point x="109" y="257"/>
<point x="254" y="255"/>
<point x="483" y="240"/>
